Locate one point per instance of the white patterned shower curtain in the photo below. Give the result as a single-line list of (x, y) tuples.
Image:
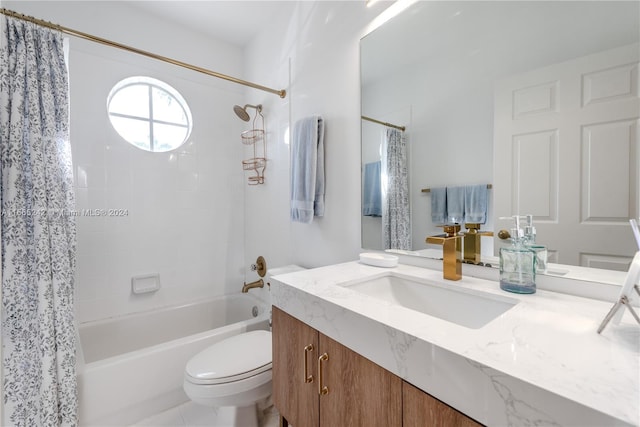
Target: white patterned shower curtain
[(396, 216), (38, 230)]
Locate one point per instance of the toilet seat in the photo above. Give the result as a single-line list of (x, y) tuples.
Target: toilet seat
[(220, 364), (228, 379)]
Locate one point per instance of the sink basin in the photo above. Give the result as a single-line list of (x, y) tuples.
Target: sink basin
[(463, 307)]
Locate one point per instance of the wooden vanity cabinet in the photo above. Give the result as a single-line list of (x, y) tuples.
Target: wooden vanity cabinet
[(419, 409), (296, 399), (359, 392)]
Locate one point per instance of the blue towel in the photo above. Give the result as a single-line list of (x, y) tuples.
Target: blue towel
[(307, 169), (439, 205), (475, 203), (455, 205), (372, 192)]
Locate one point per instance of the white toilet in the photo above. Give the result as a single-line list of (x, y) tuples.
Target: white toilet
[(232, 375), (235, 373)]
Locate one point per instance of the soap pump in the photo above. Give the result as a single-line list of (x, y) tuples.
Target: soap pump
[(530, 242), (518, 263), (529, 231)]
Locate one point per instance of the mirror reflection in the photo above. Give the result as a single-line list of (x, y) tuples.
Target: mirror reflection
[(538, 100)]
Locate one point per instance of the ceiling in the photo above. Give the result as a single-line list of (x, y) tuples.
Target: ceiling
[(514, 33), (235, 22)]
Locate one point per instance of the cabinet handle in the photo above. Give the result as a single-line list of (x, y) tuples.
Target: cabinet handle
[(322, 390), (307, 378)]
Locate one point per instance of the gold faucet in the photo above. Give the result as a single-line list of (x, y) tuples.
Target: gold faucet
[(257, 284), (451, 260), (471, 253), (261, 267)]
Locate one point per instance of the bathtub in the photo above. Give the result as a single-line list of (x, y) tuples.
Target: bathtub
[(134, 364)]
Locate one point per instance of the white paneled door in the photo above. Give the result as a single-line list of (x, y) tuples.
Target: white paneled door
[(566, 150)]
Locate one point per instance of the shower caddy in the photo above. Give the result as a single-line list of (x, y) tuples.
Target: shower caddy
[(256, 138)]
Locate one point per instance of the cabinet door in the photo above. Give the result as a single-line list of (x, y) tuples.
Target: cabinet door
[(420, 409), (360, 393), (295, 399)]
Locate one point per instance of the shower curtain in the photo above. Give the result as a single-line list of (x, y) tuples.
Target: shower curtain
[(396, 217), (37, 229)]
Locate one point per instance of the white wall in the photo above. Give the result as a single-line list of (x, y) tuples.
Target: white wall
[(185, 207), (320, 40)]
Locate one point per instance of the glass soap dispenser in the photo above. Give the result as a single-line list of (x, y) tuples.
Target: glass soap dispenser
[(530, 242), (518, 263)]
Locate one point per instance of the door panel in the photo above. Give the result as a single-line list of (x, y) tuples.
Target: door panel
[(535, 185), (608, 172)]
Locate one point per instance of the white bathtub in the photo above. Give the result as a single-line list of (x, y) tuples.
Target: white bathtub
[(134, 364)]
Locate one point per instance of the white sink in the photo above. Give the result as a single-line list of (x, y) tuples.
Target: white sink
[(464, 307)]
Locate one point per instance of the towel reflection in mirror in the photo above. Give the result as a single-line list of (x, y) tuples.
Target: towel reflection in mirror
[(459, 204)]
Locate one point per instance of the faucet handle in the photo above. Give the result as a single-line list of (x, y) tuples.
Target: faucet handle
[(504, 234), (451, 229), (474, 228), (260, 266)]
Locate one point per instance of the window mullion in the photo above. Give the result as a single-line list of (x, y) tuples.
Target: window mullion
[(151, 118), (146, 119)]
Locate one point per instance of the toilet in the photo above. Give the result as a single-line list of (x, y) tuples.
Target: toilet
[(232, 375)]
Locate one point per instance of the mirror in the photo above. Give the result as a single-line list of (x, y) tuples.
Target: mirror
[(436, 69)]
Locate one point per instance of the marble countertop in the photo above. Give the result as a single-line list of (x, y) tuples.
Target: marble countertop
[(539, 363)]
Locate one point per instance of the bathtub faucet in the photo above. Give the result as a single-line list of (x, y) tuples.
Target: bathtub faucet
[(257, 284), (261, 267)]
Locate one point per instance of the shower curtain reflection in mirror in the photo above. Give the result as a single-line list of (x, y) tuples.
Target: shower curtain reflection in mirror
[(396, 216), (38, 229)]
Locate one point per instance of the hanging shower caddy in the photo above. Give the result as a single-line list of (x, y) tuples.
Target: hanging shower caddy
[(256, 139)]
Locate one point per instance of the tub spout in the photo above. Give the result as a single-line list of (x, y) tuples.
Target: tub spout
[(257, 284)]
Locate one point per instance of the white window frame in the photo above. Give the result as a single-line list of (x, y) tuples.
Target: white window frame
[(151, 83)]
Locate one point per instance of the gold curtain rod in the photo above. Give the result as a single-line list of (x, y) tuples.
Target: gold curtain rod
[(281, 93), (428, 190), (391, 125)]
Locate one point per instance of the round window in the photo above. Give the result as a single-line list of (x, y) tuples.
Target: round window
[(149, 114)]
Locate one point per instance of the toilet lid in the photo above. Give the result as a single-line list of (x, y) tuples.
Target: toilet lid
[(234, 358)]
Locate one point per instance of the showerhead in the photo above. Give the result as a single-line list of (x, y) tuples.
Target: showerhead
[(241, 112)]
